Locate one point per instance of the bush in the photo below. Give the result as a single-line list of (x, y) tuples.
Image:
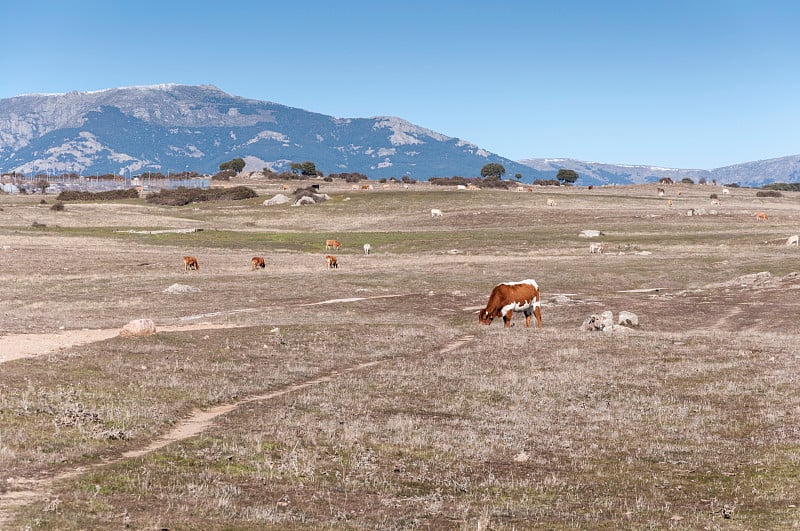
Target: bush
[(488, 182), (184, 196), (224, 175), (786, 187), (58, 206), (109, 195), (768, 193)]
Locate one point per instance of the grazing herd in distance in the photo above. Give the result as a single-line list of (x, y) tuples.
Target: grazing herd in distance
[(258, 262), (504, 299)]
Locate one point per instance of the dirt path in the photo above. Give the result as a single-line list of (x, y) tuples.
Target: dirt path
[(16, 346), (26, 491), (31, 490)]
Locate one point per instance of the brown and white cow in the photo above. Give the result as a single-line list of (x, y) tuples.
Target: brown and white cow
[(332, 244), (331, 261), (190, 262), (509, 297), (258, 261)]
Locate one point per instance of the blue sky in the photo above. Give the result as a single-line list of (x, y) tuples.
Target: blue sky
[(684, 84)]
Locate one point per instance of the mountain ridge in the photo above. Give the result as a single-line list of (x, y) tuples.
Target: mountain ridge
[(171, 127), (175, 127)]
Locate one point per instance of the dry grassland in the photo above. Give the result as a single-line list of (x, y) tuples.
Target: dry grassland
[(368, 397)]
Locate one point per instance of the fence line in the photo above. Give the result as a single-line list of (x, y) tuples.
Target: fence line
[(59, 183)]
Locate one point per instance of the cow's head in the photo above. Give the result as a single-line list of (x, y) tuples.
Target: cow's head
[(484, 317)]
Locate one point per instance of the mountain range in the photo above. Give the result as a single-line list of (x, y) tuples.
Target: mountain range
[(174, 128)]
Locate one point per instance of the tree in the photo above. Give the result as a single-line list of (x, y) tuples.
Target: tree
[(567, 176), (518, 176), (493, 169), (236, 165), (303, 168)]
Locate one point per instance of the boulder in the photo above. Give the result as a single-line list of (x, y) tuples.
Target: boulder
[(278, 199), (305, 200), (588, 233), (181, 288), (598, 322), (138, 327), (629, 319)]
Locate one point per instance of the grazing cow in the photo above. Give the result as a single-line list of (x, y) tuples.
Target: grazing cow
[(669, 203), (436, 213), (509, 297), (190, 262), (551, 202), (715, 202), (332, 244), (472, 187), (366, 187), (761, 216), (331, 261), (794, 240), (520, 188), (597, 248), (258, 261), (725, 191), (660, 192), (367, 248)]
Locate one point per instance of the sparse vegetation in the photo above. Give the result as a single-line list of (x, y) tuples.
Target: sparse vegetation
[(785, 187), (368, 397), (184, 196), (108, 195), (768, 193)]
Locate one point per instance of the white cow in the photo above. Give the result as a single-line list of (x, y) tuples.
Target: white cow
[(794, 239), (367, 248), (436, 213), (551, 202)]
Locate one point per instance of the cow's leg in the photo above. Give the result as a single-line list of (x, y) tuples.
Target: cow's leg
[(507, 319), (528, 315), (538, 313)]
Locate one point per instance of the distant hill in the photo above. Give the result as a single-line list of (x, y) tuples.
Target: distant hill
[(173, 128), (752, 174)]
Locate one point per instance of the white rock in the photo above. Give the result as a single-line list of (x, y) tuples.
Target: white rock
[(138, 327)]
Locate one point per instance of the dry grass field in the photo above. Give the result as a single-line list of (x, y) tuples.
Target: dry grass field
[(368, 397)]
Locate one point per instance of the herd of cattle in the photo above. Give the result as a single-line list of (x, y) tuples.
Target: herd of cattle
[(504, 300)]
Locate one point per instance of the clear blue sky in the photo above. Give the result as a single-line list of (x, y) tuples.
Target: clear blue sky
[(682, 83)]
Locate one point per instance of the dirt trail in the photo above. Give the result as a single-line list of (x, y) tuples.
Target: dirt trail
[(27, 491), (16, 346)]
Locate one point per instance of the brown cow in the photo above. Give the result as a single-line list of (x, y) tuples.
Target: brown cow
[(190, 262), (761, 216), (258, 261), (513, 296), (332, 244), (331, 261)]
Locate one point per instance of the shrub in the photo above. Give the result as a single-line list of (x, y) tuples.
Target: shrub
[(109, 195), (184, 196), (224, 175), (786, 187), (58, 206), (768, 193)]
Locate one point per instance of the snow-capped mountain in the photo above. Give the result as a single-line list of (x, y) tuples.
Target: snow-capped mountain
[(172, 128)]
